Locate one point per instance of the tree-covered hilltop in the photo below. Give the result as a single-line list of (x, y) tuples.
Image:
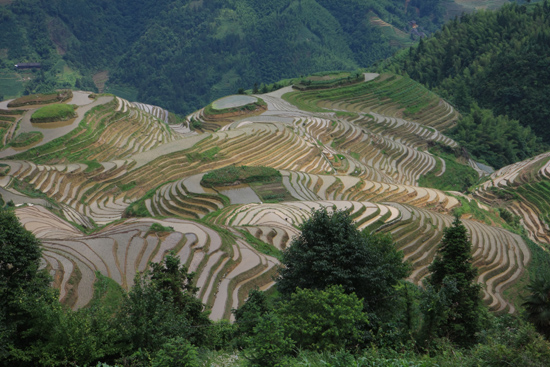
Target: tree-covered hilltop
[(497, 59), (182, 54)]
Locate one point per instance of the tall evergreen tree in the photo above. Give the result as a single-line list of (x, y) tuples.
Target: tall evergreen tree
[(455, 310), (537, 304)]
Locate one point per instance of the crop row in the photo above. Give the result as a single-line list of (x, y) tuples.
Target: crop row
[(305, 186), (224, 267), (386, 95)]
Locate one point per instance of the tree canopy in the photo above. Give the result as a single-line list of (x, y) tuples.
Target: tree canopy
[(453, 296), (498, 60), (332, 251), (537, 304)]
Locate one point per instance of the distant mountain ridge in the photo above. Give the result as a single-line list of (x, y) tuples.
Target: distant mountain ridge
[(182, 54)]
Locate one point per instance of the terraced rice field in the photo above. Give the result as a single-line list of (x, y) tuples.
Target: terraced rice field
[(500, 256), (360, 148), (524, 189)]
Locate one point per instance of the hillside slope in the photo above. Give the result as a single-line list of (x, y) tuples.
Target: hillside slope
[(496, 59), (182, 54), (100, 187)]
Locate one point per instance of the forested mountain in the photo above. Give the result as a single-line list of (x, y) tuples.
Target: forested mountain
[(182, 54), (499, 60)]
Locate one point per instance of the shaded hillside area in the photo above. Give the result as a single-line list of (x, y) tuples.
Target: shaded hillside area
[(182, 54), (498, 60)]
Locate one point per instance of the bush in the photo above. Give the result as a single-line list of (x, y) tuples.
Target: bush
[(323, 320), (177, 352), (269, 345)]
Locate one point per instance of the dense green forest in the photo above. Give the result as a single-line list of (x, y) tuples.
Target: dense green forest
[(182, 54), (494, 60)]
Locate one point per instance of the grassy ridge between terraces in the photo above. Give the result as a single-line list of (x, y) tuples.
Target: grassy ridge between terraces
[(409, 95), (26, 139), (231, 175), (54, 112)]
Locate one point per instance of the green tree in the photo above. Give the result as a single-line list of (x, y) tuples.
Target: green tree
[(537, 304), (162, 305), (246, 317), (323, 320), (453, 295), (177, 352), (23, 288), (332, 251), (268, 345)]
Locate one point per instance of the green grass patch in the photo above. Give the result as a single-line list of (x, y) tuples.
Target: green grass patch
[(7, 118), (4, 169), (206, 156), (11, 112), (473, 209), (346, 114), (107, 293), (128, 186), (295, 99), (26, 139), (54, 112), (71, 145), (264, 248), (457, 176), (231, 175), (138, 208), (404, 92), (92, 165)]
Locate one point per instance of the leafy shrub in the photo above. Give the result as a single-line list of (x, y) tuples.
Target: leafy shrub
[(269, 345), (177, 352), (326, 320)]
